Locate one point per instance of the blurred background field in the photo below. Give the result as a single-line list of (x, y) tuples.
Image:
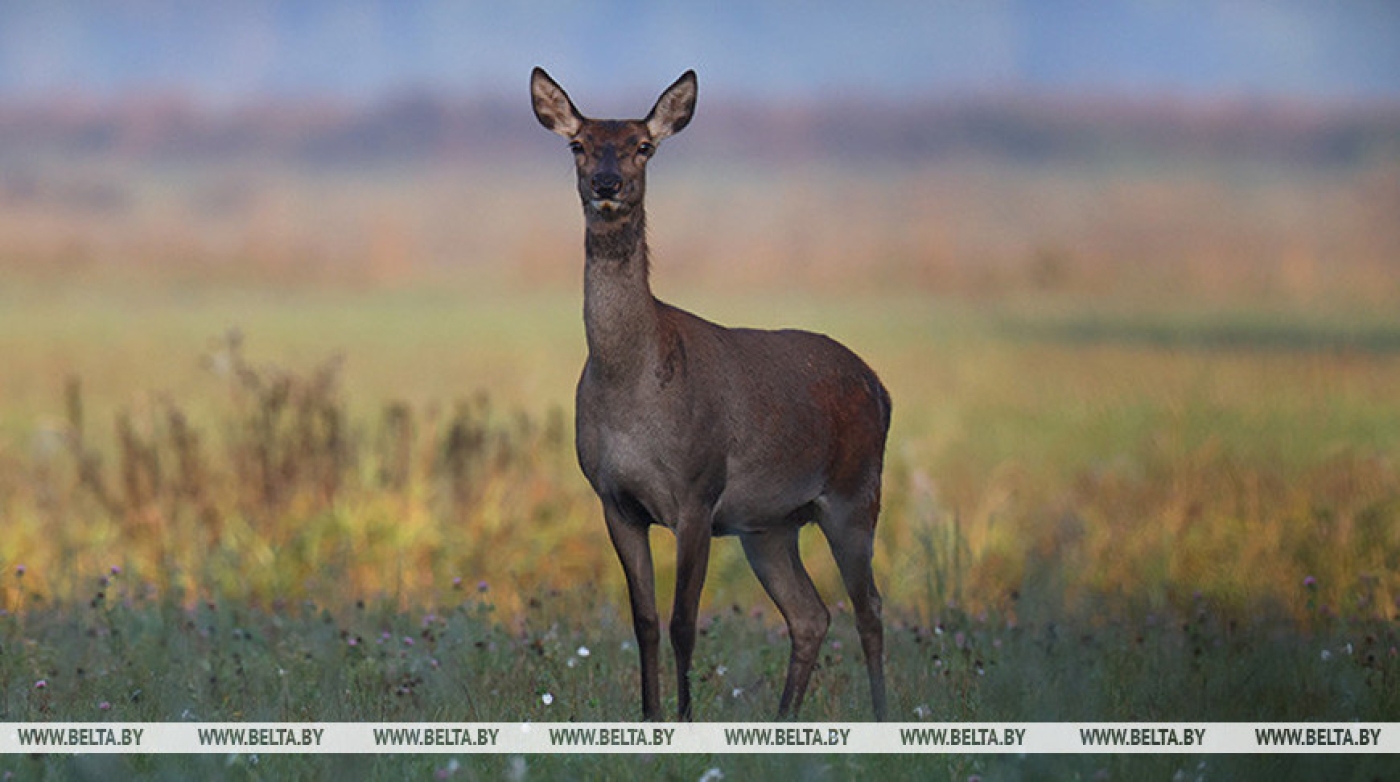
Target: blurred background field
[(1173, 365), (317, 341)]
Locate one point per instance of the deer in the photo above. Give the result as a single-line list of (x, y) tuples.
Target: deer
[(712, 431)]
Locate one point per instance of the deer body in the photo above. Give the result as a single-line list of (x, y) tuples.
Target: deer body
[(710, 430)]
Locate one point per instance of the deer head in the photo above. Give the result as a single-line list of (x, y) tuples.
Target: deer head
[(611, 155)]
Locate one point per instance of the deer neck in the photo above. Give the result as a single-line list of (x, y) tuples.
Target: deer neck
[(619, 312)]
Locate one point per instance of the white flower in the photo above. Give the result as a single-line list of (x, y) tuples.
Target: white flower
[(711, 775), (547, 698), (1326, 655), (583, 651)]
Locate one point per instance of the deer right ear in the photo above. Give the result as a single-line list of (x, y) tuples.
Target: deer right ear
[(674, 108), (553, 108)]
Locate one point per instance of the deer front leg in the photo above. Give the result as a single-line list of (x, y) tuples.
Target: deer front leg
[(692, 560), (634, 551)]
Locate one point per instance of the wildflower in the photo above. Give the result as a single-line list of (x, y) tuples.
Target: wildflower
[(1326, 655), (116, 570), (721, 670), (736, 692), (41, 684), (408, 640), (1310, 582), (482, 587), (105, 706), (922, 710), (353, 640), (20, 570), (583, 651), (547, 698), (711, 775), (457, 582)]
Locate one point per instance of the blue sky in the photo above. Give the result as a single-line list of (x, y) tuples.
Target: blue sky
[(242, 49)]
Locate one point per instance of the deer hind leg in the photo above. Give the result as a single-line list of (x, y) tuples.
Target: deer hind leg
[(850, 530), (634, 551), (774, 557)]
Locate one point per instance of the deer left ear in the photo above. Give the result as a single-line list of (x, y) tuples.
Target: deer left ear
[(674, 108), (552, 106)]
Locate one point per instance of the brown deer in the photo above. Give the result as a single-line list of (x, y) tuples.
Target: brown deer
[(710, 430)]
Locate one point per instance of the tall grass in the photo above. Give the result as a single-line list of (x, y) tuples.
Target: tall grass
[(1133, 470), (282, 495)]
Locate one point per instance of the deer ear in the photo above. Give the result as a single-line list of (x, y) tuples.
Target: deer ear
[(674, 108), (552, 106)]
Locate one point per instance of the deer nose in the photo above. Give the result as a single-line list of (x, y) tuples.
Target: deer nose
[(606, 184)]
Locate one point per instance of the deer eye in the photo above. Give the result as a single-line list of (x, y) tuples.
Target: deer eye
[(576, 147), (646, 149)]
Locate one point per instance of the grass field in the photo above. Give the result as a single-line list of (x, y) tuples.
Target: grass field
[(1124, 482)]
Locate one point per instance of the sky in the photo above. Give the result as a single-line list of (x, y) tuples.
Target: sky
[(240, 50)]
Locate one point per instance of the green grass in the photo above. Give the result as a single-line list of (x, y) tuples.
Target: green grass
[(128, 655)]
